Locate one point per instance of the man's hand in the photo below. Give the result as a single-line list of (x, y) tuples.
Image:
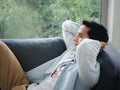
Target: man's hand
[(103, 44)]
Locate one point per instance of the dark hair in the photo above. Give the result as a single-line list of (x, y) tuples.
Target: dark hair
[(97, 31)]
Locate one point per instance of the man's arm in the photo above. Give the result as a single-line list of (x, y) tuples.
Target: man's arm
[(88, 67), (69, 30)]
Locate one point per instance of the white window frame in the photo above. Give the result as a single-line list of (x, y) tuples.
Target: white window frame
[(104, 12)]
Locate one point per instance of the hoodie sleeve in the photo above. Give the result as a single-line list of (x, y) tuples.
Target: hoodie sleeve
[(88, 68)]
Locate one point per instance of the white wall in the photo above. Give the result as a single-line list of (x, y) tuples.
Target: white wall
[(113, 23)]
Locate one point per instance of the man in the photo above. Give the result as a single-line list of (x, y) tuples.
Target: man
[(83, 45)]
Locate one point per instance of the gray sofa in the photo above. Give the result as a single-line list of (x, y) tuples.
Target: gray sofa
[(34, 52)]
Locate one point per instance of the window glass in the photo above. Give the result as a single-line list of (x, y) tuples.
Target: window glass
[(43, 18)]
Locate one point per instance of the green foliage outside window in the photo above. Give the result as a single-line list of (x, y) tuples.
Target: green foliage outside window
[(43, 18)]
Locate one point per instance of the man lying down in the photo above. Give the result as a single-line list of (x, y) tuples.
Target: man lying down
[(83, 42)]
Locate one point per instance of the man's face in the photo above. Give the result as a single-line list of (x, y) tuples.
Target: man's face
[(82, 34)]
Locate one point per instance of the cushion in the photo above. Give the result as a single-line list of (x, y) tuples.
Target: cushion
[(108, 72), (34, 52)]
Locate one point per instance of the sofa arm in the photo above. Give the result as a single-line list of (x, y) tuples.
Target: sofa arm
[(34, 52)]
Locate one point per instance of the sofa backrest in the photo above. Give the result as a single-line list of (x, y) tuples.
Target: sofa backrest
[(115, 59), (108, 73), (34, 52)]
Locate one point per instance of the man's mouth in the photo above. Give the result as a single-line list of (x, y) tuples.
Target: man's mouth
[(75, 44)]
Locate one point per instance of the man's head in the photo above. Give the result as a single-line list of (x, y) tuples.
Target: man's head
[(92, 30)]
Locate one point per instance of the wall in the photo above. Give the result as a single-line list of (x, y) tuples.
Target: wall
[(113, 23)]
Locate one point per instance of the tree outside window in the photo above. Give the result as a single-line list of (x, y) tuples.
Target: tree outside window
[(43, 18)]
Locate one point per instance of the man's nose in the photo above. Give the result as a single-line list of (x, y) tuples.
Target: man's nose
[(75, 39)]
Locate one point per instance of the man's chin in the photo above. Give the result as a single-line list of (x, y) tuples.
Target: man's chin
[(74, 48)]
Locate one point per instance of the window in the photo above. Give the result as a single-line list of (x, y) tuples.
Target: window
[(43, 18)]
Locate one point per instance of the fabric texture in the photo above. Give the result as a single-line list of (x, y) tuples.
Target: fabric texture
[(67, 75), (11, 72)]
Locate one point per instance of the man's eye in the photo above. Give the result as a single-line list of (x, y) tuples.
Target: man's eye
[(81, 36)]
